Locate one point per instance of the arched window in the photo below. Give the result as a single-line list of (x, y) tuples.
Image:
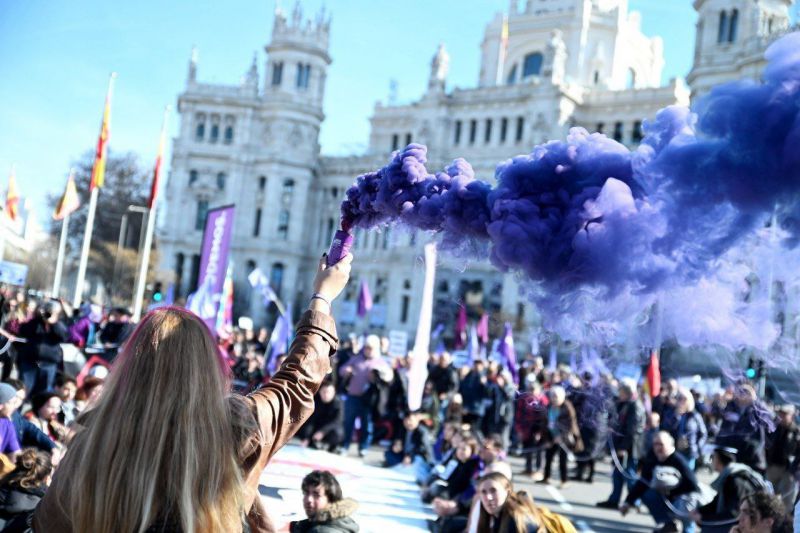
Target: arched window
[(630, 80), (192, 177), (228, 134), (257, 223), (532, 65), (276, 277), (288, 186), (512, 76), (200, 129), (251, 265), (221, 178), (262, 183), (734, 26), (722, 33), (283, 225)]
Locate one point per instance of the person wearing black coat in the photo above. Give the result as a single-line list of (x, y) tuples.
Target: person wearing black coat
[(325, 428), (745, 429), (627, 430), (444, 376), (499, 413), (782, 445), (40, 356), (665, 477), (474, 391), (734, 483), (22, 489)]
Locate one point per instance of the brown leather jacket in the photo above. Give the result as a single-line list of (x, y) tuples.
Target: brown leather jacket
[(278, 410)]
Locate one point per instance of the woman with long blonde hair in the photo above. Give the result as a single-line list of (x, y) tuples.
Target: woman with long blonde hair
[(497, 508), (167, 448)]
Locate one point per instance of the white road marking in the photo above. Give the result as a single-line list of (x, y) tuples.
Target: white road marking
[(581, 525), (557, 496)]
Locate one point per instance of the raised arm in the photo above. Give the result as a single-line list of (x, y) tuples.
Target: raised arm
[(287, 401)]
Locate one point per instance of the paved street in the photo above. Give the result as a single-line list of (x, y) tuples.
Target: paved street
[(577, 500)]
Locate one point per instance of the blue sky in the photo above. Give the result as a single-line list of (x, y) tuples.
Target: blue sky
[(55, 58)]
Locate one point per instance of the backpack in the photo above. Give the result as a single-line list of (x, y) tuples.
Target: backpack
[(554, 522)]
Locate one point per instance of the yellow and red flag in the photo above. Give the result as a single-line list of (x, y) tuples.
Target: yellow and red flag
[(159, 160), (69, 201), (12, 197), (99, 168)]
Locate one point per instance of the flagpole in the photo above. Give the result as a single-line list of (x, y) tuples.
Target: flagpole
[(87, 241), (95, 190), (5, 226), (151, 224), (62, 247)]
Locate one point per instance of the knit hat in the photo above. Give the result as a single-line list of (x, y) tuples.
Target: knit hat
[(7, 392)]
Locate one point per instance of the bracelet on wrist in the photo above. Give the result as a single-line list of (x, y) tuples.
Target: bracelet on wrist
[(318, 296)]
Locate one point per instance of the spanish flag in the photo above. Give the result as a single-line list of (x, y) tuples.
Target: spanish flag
[(12, 197), (69, 201), (99, 168)]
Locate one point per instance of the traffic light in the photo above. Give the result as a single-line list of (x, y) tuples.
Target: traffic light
[(751, 372), (157, 294)]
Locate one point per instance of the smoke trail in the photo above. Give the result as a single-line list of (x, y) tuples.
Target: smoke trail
[(603, 231)]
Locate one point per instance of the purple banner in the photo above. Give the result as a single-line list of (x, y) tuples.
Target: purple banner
[(214, 261)]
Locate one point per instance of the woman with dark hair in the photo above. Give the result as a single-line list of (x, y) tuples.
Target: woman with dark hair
[(167, 447), (22, 489), (327, 511), (45, 409)]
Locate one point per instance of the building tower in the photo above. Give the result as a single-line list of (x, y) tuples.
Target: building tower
[(731, 37)]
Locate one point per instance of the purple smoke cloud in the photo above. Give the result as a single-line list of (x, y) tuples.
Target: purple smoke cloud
[(602, 229)]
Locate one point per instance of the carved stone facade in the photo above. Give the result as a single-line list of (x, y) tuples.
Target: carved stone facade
[(545, 68)]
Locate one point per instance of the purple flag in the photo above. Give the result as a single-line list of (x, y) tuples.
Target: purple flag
[(213, 263), (483, 328), (507, 353), (364, 299), (280, 339), (461, 326)]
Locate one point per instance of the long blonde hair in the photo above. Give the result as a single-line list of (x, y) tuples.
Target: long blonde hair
[(518, 507), (158, 446)]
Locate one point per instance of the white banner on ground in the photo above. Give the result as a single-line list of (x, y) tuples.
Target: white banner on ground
[(418, 372)]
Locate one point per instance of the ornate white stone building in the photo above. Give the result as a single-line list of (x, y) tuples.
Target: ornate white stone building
[(545, 67)]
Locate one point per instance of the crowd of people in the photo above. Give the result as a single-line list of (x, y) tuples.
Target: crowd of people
[(472, 420)]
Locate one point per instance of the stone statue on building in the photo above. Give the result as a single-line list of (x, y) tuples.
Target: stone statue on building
[(440, 64), (555, 59)]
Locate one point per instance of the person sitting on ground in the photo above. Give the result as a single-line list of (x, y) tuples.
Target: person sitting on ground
[(67, 388), (324, 429), (326, 510), (453, 514), (457, 478), (9, 443), (499, 509), (736, 481), (414, 448), (166, 447), (762, 512), (665, 478), (22, 489), (28, 434), (448, 462), (44, 412)]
